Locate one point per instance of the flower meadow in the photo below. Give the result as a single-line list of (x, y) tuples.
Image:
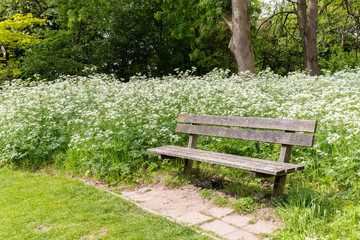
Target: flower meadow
[(98, 126)]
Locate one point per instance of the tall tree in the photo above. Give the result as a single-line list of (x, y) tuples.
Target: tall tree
[(239, 22), (198, 18), (307, 21)]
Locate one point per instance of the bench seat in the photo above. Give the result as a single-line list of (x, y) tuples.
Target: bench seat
[(253, 164)]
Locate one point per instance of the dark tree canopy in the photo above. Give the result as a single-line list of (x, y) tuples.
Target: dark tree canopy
[(154, 37)]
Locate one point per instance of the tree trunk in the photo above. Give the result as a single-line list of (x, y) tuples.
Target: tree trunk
[(307, 21), (343, 41), (240, 43)]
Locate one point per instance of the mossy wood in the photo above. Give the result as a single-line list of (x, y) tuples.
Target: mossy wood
[(252, 135), (251, 122), (258, 167), (253, 164)]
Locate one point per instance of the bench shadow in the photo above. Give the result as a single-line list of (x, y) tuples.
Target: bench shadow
[(242, 185)]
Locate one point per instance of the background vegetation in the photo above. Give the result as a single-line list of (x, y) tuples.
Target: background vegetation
[(155, 37)]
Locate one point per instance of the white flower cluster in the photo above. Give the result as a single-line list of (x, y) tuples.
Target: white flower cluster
[(98, 114)]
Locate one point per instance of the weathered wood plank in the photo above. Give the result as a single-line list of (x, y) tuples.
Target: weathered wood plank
[(285, 153), (279, 184), (251, 122), (192, 144), (236, 161), (252, 164), (192, 141), (245, 134), (229, 157), (180, 151)]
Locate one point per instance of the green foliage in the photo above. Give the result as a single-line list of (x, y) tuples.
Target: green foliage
[(12, 31), (10, 69), (311, 213), (206, 193), (175, 181), (15, 36), (139, 43), (338, 48), (221, 201), (199, 23), (39, 8), (71, 40), (155, 37), (244, 205), (340, 59), (278, 44), (121, 38), (54, 57)]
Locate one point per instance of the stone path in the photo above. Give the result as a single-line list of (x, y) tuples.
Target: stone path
[(188, 207)]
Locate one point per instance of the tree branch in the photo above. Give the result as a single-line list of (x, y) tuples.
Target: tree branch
[(228, 20), (323, 8), (351, 13), (268, 19), (293, 3)]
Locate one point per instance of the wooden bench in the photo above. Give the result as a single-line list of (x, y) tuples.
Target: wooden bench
[(291, 135)]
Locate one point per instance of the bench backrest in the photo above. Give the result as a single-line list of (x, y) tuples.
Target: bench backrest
[(289, 137)]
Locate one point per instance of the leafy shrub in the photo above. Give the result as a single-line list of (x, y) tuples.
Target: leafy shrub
[(221, 201), (206, 193), (244, 205)]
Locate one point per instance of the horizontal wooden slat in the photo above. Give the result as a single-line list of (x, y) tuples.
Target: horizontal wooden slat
[(251, 122), (252, 164), (253, 135)]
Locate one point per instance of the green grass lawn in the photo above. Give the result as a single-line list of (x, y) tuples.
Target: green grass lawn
[(38, 206)]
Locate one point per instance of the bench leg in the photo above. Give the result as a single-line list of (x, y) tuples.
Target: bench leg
[(188, 165), (279, 184)]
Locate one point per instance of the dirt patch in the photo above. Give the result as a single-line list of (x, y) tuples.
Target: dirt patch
[(42, 228), (93, 236), (169, 201), (268, 214), (95, 183)]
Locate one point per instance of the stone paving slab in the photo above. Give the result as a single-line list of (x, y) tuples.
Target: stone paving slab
[(219, 212), (261, 227), (219, 227), (238, 220), (241, 234), (193, 218)]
